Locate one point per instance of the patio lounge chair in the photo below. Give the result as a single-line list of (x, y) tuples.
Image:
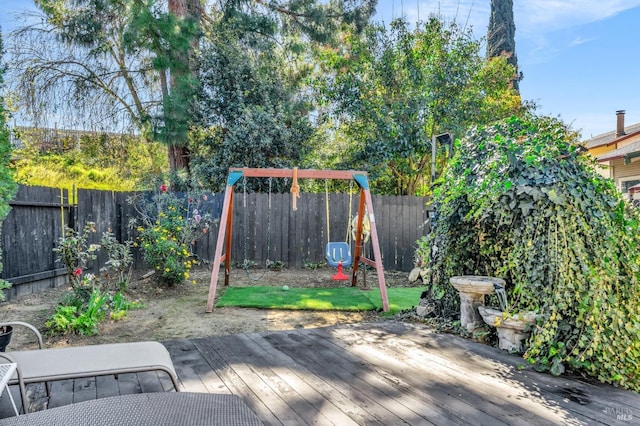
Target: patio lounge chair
[(146, 409), (47, 365)]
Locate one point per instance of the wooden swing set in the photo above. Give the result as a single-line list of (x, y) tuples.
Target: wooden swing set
[(334, 251)]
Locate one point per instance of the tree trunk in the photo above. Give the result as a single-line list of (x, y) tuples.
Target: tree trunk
[(179, 158), (178, 151)]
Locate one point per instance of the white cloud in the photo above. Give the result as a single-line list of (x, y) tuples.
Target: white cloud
[(531, 16), (537, 21), (580, 40), (536, 16)]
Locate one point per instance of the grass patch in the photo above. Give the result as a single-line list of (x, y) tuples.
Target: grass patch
[(400, 299), (322, 299)]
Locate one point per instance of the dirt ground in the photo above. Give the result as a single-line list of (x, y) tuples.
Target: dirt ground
[(179, 311)]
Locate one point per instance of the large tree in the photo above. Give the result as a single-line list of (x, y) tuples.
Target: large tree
[(251, 110), (255, 60), (172, 39), (113, 61), (501, 36), (393, 90), (140, 56), (74, 63)]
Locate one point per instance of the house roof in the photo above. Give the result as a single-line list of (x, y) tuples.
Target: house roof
[(610, 137), (627, 152)]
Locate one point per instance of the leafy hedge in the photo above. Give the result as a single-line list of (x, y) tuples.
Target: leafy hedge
[(520, 201), (8, 187)]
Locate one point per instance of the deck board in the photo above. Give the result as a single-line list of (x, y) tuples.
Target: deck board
[(285, 388), (424, 381), (473, 395), (372, 373), (285, 368), (236, 380), (366, 379)]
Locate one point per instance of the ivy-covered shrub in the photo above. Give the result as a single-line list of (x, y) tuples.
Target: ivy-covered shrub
[(522, 202)]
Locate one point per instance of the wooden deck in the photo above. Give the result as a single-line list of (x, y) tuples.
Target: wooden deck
[(386, 373)]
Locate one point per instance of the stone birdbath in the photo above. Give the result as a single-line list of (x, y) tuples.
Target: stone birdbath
[(512, 330), (472, 289)]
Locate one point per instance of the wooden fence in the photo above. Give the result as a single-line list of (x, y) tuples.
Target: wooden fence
[(264, 227), (29, 234)]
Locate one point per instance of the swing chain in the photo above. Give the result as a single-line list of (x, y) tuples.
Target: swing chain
[(326, 196), (245, 224), (349, 221), (268, 262)]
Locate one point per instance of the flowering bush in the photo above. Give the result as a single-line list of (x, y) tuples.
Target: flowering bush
[(170, 226), (75, 252), (82, 309)]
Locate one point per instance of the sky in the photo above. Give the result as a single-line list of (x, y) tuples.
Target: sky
[(580, 58)]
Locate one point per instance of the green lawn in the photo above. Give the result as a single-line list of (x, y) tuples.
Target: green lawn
[(324, 299)]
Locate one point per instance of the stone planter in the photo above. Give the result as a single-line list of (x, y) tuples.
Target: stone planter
[(512, 331), (472, 289)]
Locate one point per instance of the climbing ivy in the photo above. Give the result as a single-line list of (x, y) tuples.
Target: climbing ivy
[(521, 201)]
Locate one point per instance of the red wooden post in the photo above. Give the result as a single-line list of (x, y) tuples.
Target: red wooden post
[(356, 258), (228, 196), (227, 257), (376, 252)]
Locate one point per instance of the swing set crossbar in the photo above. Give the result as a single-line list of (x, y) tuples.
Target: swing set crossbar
[(226, 222), (302, 173)]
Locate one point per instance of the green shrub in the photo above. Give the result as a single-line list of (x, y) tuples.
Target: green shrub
[(96, 175), (118, 267), (82, 320), (75, 252), (77, 171), (81, 309), (170, 226), (119, 306), (520, 201), (105, 162), (8, 187)]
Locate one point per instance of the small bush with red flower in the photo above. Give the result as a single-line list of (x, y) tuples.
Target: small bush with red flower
[(91, 297), (75, 252), (168, 227)]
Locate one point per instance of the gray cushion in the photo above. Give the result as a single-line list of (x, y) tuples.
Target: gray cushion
[(146, 409)]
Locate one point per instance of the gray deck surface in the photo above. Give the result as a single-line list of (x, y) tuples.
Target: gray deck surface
[(387, 373)]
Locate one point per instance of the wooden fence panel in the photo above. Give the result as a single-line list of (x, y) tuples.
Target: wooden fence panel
[(104, 208), (29, 234), (317, 229), (280, 220), (35, 224), (296, 252), (210, 204)]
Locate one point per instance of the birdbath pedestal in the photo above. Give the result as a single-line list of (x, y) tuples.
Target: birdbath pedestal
[(472, 289), (512, 330)]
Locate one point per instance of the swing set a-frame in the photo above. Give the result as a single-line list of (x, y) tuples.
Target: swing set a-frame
[(223, 245)]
